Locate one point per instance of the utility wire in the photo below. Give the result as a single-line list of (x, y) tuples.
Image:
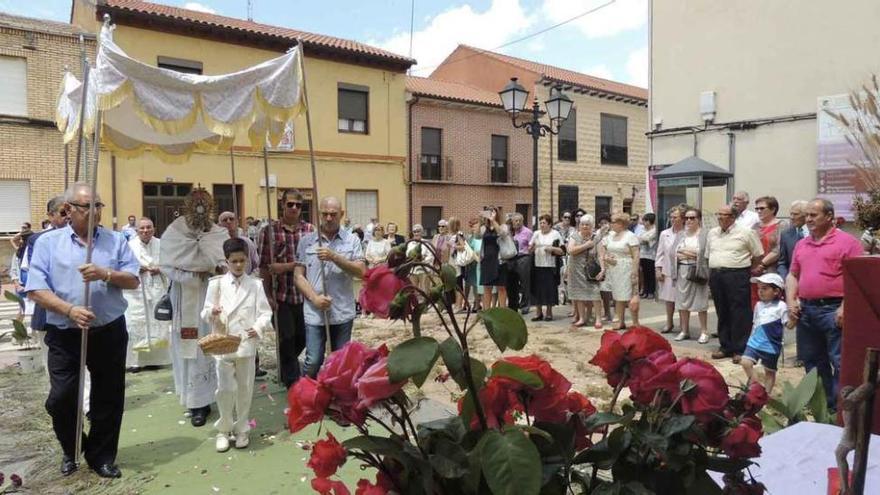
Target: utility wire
[(519, 40)]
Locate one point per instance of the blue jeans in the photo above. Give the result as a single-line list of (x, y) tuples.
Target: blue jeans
[(819, 339), (316, 343)]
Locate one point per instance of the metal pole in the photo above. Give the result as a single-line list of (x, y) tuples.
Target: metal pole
[(113, 190), (552, 203), (535, 135), (66, 166), (270, 238), (314, 179), (234, 194), (80, 151)]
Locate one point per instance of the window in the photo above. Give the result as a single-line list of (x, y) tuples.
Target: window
[(16, 209), (523, 209), (163, 202), (353, 108), (13, 87), (223, 198), (614, 150), (603, 206), (567, 142), (568, 199), (628, 206), (430, 216), (361, 206), (430, 159), (498, 163), (179, 65)]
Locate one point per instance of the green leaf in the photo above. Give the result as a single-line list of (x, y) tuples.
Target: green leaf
[(11, 296), (511, 463), (451, 428), (802, 394), (532, 431), (517, 374), (676, 424), (19, 332), (605, 453), (448, 459), (704, 485), (769, 422), (726, 464), (601, 419), (819, 405), (561, 442), (506, 327), (384, 447), (413, 359), (779, 406), (448, 276), (452, 356)]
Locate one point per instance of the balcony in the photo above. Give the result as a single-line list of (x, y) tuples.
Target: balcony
[(434, 168), (502, 172)]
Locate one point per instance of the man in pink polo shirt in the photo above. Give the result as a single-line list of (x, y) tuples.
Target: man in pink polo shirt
[(815, 293)]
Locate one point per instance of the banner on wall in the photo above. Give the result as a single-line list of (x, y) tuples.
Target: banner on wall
[(837, 178)]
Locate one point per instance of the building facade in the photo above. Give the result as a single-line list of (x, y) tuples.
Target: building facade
[(464, 154), (742, 87), (33, 57), (358, 114), (598, 162)]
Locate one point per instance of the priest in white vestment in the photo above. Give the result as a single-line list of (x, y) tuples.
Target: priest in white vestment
[(148, 339), (191, 251)]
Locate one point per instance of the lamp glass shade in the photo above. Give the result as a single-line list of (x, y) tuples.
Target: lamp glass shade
[(513, 97), (558, 106)]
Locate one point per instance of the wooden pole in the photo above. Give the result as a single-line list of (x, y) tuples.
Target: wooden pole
[(270, 238), (317, 197), (234, 193), (80, 151), (864, 421)]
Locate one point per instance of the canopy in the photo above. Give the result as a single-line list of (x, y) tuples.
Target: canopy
[(173, 114), (694, 167)]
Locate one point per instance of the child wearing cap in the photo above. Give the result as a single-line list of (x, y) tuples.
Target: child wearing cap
[(765, 343)]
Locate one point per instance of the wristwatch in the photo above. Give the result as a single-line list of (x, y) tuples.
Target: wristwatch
[(109, 274)]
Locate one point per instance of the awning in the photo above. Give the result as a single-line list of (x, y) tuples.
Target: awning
[(692, 171)]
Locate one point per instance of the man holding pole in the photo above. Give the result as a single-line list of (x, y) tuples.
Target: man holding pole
[(57, 274), (277, 244), (325, 268)]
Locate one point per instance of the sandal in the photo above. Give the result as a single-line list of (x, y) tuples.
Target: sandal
[(598, 325), (538, 318), (704, 338)]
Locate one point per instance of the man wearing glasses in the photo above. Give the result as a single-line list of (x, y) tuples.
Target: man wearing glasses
[(58, 271), (57, 220), (277, 262), (746, 218), (733, 251)]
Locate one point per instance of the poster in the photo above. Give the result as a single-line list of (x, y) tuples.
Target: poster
[(838, 180)]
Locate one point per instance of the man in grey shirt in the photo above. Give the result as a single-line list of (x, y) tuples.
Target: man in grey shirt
[(342, 257)]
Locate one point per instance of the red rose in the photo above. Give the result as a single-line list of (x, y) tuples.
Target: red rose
[(709, 394), (498, 402), (374, 385), (342, 369), (641, 342), (380, 287), (308, 400), (610, 356), (328, 487), (653, 373), (327, 456), (742, 440), (545, 403), (580, 408), (755, 398), (617, 350), (382, 487)]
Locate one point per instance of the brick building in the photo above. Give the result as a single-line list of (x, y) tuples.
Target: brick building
[(33, 57), (464, 154), (600, 157)]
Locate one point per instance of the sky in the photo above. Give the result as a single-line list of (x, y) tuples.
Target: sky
[(609, 42)]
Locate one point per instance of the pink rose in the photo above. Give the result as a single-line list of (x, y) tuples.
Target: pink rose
[(380, 287), (375, 385), (342, 369), (308, 400)]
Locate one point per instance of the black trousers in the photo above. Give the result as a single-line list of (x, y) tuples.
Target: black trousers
[(106, 364), (291, 340), (649, 272), (732, 294), (519, 278)]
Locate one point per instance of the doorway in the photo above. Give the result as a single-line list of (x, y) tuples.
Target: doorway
[(163, 203)]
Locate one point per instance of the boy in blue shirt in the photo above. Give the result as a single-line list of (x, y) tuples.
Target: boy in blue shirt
[(770, 318)]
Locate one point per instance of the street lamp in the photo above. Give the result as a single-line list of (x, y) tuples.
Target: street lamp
[(513, 99)]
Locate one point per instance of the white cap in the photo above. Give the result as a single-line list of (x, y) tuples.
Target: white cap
[(770, 279)]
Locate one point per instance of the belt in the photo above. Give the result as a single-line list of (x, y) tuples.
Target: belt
[(825, 301), (722, 269)]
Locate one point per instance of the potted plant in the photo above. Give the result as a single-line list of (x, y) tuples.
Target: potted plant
[(520, 427), (30, 358)]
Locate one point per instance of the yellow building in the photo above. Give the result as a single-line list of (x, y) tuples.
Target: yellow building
[(358, 117)]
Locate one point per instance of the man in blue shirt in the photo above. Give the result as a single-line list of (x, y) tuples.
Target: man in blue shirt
[(342, 257), (58, 272)]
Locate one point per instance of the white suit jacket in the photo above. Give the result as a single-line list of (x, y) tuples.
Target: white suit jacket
[(244, 307)]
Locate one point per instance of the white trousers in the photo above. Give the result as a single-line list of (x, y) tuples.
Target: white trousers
[(235, 389)]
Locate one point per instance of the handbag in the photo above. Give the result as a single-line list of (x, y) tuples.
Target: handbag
[(593, 269), (164, 310), (697, 274), (506, 247)]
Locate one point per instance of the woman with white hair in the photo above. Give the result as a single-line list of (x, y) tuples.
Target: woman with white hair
[(583, 277), (420, 276)]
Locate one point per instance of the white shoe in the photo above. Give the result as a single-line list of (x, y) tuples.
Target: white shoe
[(703, 338), (241, 440), (222, 443), (681, 336)]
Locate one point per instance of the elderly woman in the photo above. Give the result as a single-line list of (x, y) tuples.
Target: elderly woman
[(420, 276), (546, 245), (395, 238), (769, 230), (582, 289), (472, 272), (620, 255), (665, 261), (378, 248), (692, 294)]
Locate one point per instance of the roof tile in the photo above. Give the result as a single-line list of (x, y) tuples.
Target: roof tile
[(446, 90)]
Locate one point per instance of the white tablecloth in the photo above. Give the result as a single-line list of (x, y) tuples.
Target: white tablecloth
[(795, 460)]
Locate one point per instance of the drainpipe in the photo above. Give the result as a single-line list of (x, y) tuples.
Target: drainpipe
[(695, 141), (409, 159), (731, 163), (113, 189)]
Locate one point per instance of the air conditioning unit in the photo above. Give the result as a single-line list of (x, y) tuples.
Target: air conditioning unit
[(707, 106)]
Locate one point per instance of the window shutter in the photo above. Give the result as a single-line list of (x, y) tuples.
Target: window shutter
[(13, 86), (499, 148), (352, 104), (16, 208), (430, 141)]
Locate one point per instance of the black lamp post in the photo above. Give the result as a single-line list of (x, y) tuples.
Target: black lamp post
[(513, 98)]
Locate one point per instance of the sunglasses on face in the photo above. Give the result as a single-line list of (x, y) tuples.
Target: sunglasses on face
[(98, 205), (293, 204), (690, 218)]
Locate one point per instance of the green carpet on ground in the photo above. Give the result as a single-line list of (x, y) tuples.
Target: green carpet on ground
[(166, 454)]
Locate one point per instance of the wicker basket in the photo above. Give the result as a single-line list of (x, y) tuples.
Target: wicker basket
[(219, 344)]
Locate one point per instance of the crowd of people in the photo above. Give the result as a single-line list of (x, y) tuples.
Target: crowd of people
[(752, 265)]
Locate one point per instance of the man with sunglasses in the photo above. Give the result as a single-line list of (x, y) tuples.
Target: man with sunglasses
[(277, 263), (57, 219), (58, 271)]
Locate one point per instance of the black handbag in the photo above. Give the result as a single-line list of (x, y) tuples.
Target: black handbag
[(696, 276), (163, 310), (593, 269)]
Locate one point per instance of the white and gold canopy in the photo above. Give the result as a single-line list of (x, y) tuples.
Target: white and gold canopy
[(173, 114)]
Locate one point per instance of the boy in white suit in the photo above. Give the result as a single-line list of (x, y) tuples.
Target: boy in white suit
[(237, 301)]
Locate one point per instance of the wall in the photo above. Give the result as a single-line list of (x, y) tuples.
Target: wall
[(763, 59), (466, 138)]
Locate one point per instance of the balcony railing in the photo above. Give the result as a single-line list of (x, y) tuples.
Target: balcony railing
[(502, 172), (435, 168)]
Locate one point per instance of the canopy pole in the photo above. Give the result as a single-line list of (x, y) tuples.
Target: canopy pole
[(315, 194), (66, 165), (234, 187), (86, 70), (271, 240)]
